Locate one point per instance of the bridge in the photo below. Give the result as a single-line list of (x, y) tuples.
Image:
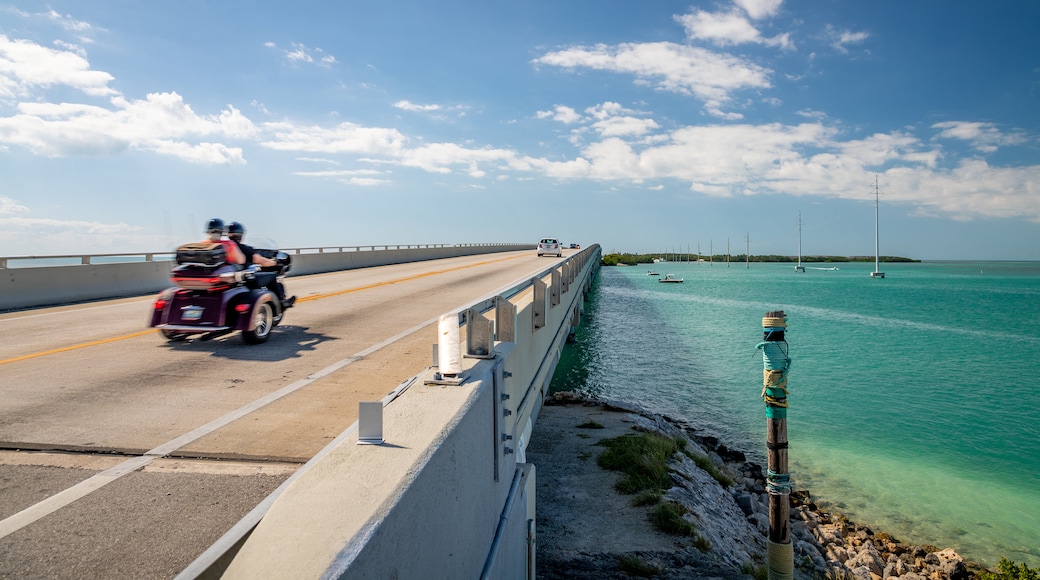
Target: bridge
[(337, 449)]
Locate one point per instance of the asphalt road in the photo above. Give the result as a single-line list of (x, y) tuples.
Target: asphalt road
[(124, 455)]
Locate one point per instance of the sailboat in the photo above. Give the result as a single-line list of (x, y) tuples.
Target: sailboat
[(877, 273), (799, 267)]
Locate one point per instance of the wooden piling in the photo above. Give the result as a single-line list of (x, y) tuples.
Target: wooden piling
[(776, 362)]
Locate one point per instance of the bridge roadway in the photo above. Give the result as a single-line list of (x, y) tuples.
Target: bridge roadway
[(123, 455)]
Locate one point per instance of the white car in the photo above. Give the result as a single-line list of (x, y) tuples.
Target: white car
[(550, 247)]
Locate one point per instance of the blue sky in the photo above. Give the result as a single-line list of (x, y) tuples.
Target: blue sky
[(642, 126)]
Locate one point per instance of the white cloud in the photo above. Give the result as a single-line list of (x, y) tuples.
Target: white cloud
[(840, 39), (340, 173), (25, 65), (299, 53), (48, 236), (727, 29), (343, 138), (162, 123), (758, 9), (410, 106), (561, 113), (613, 120), (985, 137), (687, 70), (10, 207), (364, 181), (68, 22), (442, 157)]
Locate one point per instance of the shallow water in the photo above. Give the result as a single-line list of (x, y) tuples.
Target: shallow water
[(915, 406)]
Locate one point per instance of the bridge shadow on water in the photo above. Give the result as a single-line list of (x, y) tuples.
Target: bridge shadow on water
[(286, 342)]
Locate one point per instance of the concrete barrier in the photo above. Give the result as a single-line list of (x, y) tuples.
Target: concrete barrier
[(32, 287), (449, 493)]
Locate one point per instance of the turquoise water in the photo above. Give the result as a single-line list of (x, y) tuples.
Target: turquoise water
[(915, 400)]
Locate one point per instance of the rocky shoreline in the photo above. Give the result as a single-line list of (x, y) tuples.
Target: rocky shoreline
[(731, 521)]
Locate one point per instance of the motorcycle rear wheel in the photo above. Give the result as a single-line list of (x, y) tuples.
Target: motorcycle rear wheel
[(263, 322)]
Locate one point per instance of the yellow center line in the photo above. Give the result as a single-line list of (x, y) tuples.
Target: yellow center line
[(77, 346), (303, 299)]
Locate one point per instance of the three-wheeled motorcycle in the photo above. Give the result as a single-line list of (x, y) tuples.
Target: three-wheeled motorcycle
[(212, 298)]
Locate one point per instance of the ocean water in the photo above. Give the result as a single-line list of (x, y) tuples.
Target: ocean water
[(914, 400)]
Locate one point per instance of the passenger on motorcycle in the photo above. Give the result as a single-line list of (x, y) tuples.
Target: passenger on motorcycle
[(215, 232), (235, 232)]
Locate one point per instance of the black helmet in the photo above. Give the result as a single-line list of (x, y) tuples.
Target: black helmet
[(236, 230), (215, 226)]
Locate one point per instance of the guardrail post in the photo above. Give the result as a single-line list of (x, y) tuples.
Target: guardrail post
[(478, 335), (505, 320), (538, 309), (370, 423), (556, 280)]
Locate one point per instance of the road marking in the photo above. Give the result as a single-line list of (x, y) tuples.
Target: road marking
[(302, 299), (77, 346), (406, 279), (63, 498)]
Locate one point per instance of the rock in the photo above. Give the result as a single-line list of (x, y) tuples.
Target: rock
[(869, 558), (744, 502), (957, 571)]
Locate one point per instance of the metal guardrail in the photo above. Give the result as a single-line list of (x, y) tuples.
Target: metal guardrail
[(91, 259)]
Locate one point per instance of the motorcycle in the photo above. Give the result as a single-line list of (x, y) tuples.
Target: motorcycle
[(212, 298)]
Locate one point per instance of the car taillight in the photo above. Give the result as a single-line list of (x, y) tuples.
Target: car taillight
[(160, 304)]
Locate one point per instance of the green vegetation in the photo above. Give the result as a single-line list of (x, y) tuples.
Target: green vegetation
[(633, 566), (647, 497), (590, 424), (756, 572), (668, 517), (615, 259), (642, 458), (706, 464), (1008, 570)]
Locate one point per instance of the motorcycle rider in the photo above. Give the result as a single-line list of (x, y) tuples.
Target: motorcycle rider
[(235, 233), (215, 232)]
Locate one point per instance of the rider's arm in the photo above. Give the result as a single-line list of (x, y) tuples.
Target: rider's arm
[(262, 261), (234, 254)]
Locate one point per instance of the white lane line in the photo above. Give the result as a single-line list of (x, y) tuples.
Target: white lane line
[(52, 504)]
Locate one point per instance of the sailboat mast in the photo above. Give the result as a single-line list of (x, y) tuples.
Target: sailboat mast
[(877, 250), (799, 267), (877, 273)]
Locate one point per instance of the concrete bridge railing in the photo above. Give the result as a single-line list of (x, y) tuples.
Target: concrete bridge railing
[(446, 491), (34, 281)]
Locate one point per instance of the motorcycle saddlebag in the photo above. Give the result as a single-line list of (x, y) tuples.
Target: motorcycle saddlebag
[(202, 254)]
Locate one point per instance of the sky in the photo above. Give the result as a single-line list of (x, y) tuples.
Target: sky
[(643, 126)]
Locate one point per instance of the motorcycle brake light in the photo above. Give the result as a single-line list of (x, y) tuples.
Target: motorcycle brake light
[(241, 308)]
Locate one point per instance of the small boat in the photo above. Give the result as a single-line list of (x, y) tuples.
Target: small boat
[(670, 278), (652, 273), (831, 269)]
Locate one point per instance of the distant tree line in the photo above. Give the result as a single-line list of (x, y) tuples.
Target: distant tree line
[(631, 259)]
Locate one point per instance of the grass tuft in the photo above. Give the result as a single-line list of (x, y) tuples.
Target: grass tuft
[(668, 517), (647, 497), (706, 464), (642, 458), (590, 424), (634, 566)]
